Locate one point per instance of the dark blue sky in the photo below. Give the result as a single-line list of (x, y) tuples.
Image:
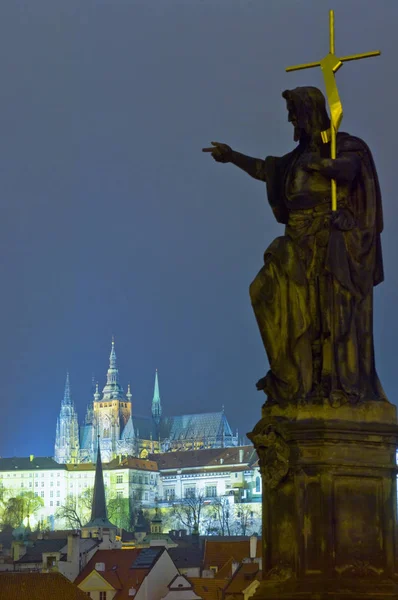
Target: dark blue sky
[(114, 222)]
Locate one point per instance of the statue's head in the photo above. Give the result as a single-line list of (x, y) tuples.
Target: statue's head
[(307, 111)]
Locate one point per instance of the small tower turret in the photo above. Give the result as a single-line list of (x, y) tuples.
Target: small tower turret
[(156, 404), (67, 434)]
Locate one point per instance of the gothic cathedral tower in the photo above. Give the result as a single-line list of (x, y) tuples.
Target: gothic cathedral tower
[(111, 411), (67, 435)]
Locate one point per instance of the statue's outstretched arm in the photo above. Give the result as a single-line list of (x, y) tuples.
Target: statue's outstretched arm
[(255, 167)]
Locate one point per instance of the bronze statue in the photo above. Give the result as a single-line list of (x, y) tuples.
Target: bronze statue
[(313, 298)]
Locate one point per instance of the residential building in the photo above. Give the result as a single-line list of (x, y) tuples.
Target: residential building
[(121, 574)]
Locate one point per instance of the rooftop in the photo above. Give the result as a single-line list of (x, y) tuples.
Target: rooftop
[(207, 457), (38, 586)]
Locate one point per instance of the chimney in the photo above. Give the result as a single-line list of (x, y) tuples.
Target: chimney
[(235, 567), (253, 546), (73, 548), (241, 455), (31, 457)]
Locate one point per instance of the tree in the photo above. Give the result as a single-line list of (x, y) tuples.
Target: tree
[(17, 508), (76, 510), (247, 519), (221, 517), (119, 512), (190, 511)]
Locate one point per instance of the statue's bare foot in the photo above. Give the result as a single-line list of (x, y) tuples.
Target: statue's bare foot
[(261, 384)]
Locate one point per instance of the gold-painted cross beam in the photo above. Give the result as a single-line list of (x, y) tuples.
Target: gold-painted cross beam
[(330, 64)]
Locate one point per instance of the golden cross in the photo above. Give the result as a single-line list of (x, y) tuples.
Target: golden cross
[(330, 64)]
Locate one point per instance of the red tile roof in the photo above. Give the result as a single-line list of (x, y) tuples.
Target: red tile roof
[(118, 572), (242, 578), (217, 553), (208, 588), (38, 586), (219, 458)]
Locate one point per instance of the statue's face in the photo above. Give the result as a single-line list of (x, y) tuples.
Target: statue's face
[(292, 118)]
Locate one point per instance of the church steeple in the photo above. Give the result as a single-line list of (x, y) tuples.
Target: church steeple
[(67, 434), (67, 401), (156, 405), (99, 515), (112, 389), (98, 509)]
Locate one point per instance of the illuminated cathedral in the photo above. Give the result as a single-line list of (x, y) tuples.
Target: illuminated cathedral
[(110, 422)]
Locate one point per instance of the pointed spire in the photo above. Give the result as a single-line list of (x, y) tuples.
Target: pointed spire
[(129, 395), (98, 510), (156, 404), (97, 395), (67, 401), (112, 389), (112, 356)]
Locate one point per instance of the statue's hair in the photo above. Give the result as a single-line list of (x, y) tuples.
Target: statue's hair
[(310, 107)]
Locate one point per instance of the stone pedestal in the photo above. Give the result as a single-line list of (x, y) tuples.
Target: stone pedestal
[(329, 501)]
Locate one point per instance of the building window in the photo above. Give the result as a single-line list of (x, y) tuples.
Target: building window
[(102, 596), (190, 492), (58, 483), (36, 483), (51, 494), (58, 494), (36, 493), (119, 494), (258, 485), (57, 502), (42, 494), (30, 484), (52, 483), (42, 484), (119, 478), (51, 503), (146, 479), (170, 494), (146, 496), (211, 491)]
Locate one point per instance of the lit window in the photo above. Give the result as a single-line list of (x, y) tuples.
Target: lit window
[(119, 478)]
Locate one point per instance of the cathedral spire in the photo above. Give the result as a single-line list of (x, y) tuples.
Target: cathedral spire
[(156, 405), (112, 389), (67, 401)]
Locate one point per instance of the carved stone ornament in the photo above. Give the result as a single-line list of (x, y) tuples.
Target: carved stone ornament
[(280, 573), (359, 568), (273, 454)]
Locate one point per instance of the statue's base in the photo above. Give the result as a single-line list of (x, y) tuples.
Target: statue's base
[(329, 501)]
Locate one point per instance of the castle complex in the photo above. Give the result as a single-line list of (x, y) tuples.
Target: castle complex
[(110, 420)]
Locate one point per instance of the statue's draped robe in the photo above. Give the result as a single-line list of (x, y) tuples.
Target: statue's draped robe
[(313, 298)]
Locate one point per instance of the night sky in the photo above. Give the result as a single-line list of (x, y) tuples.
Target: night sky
[(113, 222)]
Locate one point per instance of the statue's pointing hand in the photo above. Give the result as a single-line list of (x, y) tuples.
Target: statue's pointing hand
[(220, 152)]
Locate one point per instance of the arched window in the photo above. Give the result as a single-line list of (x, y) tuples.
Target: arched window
[(258, 489)]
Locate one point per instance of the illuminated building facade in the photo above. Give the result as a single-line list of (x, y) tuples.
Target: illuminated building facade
[(110, 420)]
